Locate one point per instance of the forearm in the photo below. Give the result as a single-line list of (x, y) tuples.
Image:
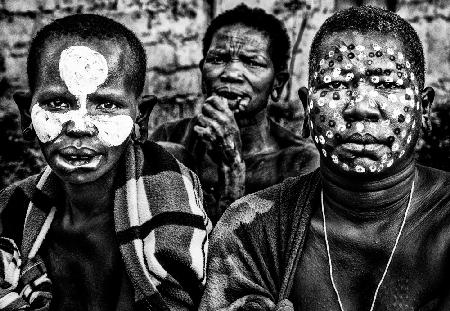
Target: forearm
[(231, 181)]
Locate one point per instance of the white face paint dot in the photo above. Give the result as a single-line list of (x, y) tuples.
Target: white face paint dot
[(360, 48), (359, 126), (82, 69), (401, 153), (341, 127), (408, 64), (399, 82), (336, 72), (331, 53), (395, 146), (335, 159), (360, 169), (408, 118), (375, 79), (372, 168), (321, 101), (329, 134), (316, 139), (321, 139), (408, 140), (349, 76), (389, 163), (324, 152), (345, 167), (376, 47), (343, 48), (348, 66), (390, 51), (322, 62), (400, 56), (327, 79)]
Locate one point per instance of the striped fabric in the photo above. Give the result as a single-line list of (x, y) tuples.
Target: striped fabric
[(160, 224)]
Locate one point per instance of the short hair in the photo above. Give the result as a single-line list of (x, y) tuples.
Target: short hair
[(89, 26), (260, 20), (367, 19)]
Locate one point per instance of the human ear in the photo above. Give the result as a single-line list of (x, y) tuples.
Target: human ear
[(303, 96), (23, 102), (281, 79), (145, 107), (427, 97)]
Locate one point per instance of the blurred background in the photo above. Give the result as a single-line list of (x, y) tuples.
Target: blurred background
[(171, 32)]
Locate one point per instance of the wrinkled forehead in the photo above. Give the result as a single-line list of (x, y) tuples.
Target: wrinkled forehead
[(240, 36), (49, 59), (370, 41)]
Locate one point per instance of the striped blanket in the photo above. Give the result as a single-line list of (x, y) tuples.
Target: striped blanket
[(160, 224)]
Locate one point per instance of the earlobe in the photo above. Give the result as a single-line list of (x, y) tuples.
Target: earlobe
[(23, 102), (427, 102), (146, 105), (281, 79), (303, 96)]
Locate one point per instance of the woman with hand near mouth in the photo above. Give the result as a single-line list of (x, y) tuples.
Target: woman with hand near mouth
[(235, 147), (113, 222)]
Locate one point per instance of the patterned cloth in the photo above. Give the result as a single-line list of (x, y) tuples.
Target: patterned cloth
[(160, 224)]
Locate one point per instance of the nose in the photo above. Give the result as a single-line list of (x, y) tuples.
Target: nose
[(80, 125), (233, 72), (362, 107)]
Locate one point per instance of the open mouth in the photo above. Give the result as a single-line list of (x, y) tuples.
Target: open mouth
[(72, 157), (235, 100)]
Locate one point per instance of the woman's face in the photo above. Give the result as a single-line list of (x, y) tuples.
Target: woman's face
[(82, 110), (238, 66), (364, 109)]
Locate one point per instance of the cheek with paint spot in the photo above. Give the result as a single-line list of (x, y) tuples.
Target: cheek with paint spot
[(111, 130), (374, 66)]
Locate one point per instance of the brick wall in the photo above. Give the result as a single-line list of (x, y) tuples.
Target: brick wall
[(171, 32)]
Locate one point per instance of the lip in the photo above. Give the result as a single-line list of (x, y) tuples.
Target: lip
[(365, 139), (72, 151), (230, 91)]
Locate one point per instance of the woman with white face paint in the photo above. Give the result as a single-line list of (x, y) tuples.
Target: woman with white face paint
[(85, 219)]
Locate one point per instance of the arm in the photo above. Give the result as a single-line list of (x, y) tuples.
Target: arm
[(217, 128), (242, 267)]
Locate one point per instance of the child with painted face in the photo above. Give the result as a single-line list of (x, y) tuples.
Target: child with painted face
[(113, 222), (369, 229)]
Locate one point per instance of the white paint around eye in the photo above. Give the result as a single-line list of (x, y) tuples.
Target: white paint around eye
[(83, 70)]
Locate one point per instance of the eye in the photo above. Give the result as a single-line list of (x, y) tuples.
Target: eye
[(337, 85), (253, 62), (386, 85), (107, 105), (57, 104), (216, 58)]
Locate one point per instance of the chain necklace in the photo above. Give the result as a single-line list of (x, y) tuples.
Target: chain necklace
[(390, 257)]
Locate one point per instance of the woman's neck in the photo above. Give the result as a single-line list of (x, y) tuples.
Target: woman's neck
[(366, 198), (255, 134), (90, 199)]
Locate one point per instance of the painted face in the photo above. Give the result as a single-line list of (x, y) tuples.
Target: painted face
[(238, 67), (83, 114), (364, 103)]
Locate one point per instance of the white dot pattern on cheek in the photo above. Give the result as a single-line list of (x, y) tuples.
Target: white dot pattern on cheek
[(334, 67)]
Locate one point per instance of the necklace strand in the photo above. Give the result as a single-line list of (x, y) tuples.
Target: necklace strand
[(330, 265)]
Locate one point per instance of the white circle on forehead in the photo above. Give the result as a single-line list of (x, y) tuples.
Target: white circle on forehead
[(82, 69)]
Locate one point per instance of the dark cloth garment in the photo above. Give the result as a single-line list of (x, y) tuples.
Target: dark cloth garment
[(263, 252), (158, 225), (296, 156)]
